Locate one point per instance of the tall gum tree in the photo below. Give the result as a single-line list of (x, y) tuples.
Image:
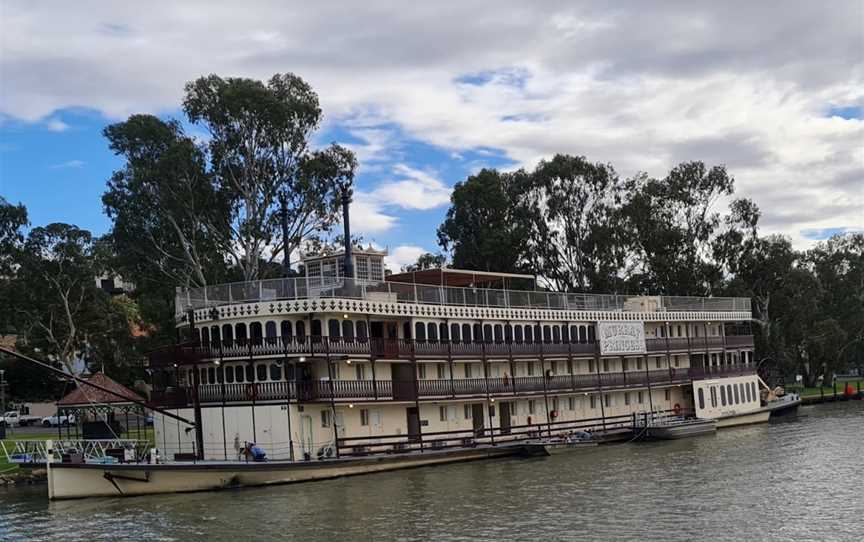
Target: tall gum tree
[(259, 150)]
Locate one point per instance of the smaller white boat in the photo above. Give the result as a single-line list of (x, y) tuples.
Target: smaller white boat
[(779, 403), (671, 429), (563, 444)]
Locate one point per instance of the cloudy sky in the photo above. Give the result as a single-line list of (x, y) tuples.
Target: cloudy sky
[(427, 95)]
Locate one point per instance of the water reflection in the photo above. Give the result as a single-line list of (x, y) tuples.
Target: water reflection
[(799, 480)]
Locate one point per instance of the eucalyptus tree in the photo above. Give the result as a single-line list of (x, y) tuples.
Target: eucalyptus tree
[(259, 152), (576, 241), (486, 228)]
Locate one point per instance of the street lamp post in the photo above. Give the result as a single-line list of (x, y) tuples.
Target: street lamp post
[(3, 403)]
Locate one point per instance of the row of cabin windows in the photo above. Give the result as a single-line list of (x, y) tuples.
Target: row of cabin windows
[(349, 329), (730, 394), (230, 374), (678, 331), (500, 332)]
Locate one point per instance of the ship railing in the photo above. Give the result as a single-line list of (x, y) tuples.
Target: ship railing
[(36, 452), (300, 289)]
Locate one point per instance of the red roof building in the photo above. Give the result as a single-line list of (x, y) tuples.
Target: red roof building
[(85, 395)]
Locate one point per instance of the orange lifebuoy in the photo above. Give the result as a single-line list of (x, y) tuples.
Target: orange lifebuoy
[(677, 409), (252, 391)]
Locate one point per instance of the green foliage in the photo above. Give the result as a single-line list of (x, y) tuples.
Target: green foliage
[(426, 261), (485, 228)]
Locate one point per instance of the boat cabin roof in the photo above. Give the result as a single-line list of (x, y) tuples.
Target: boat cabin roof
[(459, 277)]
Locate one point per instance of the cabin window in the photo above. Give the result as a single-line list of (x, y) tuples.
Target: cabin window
[(443, 332), (701, 398), (270, 331), (591, 365), (467, 370), (362, 330), (250, 373), (555, 403), (477, 333), (713, 397), (517, 334), (467, 411), (203, 376), (739, 393), (729, 394), (625, 363), (583, 335), (215, 335), (608, 400), (529, 334), (455, 336), (420, 331), (508, 333), (301, 329), (722, 395), (432, 332), (348, 330), (487, 333), (239, 373), (326, 418), (229, 375), (360, 371), (627, 397), (593, 402), (442, 413), (315, 330), (538, 333), (532, 406), (530, 368), (466, 333), (571, 403), (205, 335), (421, 371), (605, 365), (334, 329), (256, 332), (441, 371), (676, 360), (574, 334), (261, 372), (747, 390), (755, 393), (285, 328), (275, 372), (240, 330), (364, 416), (547, 334), (362, 267), (556, 334), (641, 397), (565, 334), (499, 333), (591, 334)]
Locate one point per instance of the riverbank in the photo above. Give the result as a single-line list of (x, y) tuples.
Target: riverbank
[(19, 476), (830, 394)]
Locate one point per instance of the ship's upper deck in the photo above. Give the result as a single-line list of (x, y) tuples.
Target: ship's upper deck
[(391, 291)]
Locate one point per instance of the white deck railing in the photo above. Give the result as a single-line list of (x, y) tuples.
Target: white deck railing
[(300, 288)]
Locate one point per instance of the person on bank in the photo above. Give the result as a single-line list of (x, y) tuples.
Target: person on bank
[(255, 453)]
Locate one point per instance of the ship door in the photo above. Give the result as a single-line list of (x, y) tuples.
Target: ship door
[(413, 424), (504, 412), (403, 381), (306, 435), (477, 419)]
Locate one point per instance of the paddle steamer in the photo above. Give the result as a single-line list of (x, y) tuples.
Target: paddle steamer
[(344, 370)]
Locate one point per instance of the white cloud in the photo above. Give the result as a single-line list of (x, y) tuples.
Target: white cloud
[(414, 189), (403, 255), (56, 125), (740, 85), (367, 216), (70, 164)]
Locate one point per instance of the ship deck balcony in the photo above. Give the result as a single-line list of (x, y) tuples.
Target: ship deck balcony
[(346, 391), (303, 289), (408, 349)]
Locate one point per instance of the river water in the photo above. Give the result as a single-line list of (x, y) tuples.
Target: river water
[(797, 480)]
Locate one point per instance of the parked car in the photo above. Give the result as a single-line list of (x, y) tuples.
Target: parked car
[(55, 420), (14, 418)]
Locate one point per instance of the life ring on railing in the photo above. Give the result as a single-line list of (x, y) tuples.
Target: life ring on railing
[(676, 409), (251, 391)]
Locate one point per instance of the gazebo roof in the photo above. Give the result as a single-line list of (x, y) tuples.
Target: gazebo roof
[(81, 397)]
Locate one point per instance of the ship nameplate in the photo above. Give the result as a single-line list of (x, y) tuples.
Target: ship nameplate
[(621, 338)]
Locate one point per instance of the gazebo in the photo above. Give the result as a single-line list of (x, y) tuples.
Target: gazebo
[(97, 413)]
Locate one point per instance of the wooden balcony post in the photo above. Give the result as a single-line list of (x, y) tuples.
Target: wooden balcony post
[(599, 384), (571, 368), (668, 355), (648, 383), (450, 364), (331, 374), (486, 385), (545, 383), (416, 394)]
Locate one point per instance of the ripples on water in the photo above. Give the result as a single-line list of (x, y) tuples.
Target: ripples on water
[(799, 480)]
